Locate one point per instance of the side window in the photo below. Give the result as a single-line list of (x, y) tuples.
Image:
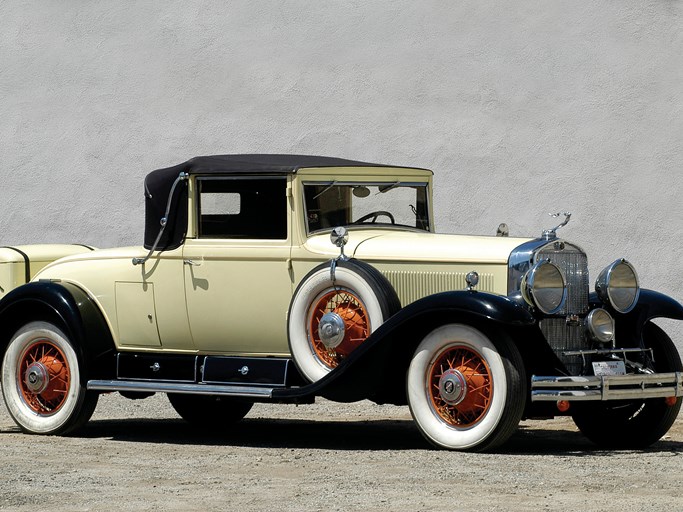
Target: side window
[(242, 207)]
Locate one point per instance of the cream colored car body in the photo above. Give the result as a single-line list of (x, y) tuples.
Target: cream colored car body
[(14, 270), (231, 297)]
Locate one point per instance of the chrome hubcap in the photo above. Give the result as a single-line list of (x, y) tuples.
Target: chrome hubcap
[(452, 387), (36, 378), (331, 329)]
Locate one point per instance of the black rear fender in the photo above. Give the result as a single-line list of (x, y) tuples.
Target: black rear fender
[(71, 309)]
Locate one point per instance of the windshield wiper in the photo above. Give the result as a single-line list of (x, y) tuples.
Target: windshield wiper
[(328, 187), (387, 189)]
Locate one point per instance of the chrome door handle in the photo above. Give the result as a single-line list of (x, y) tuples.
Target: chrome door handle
[(192, 263)]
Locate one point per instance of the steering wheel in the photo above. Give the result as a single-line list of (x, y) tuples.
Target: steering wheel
[(374, 215)]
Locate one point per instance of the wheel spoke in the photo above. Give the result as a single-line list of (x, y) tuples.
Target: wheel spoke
[(356, 325), (51, 362), (471, 408)]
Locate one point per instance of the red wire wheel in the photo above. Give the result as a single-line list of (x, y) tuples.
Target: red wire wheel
[(356, 323), (43, 377), (460, 386)]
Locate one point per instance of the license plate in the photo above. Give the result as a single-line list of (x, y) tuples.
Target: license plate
[(602, 368)]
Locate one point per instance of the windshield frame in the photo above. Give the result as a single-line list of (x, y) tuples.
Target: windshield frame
[(391, 184)]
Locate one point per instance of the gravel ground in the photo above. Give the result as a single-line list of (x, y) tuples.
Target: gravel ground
[(136, 455)]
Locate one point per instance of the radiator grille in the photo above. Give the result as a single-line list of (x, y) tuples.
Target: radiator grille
[(574, 264), (411, 285), (561, 338)]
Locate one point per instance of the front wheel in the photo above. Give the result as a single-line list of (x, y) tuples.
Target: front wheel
[(41, 381), (466, 391), (638, 423)]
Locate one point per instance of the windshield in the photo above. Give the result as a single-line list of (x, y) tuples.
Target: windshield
[(332, 204)]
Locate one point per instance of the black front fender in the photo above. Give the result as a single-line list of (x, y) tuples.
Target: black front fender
[(651, 305), (377, 369), (479, 305), (71, 309)]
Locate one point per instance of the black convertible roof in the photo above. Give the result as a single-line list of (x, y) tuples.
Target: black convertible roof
[(258, 163), (158, 185)]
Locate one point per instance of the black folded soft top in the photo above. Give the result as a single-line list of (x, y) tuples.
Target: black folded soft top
[(159, 183)]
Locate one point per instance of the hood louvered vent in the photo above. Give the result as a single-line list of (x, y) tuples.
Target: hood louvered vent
[(411, 286)]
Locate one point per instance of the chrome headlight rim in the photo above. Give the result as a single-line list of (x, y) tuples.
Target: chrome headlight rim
[(607, 290), (600, 325), (530, 287)]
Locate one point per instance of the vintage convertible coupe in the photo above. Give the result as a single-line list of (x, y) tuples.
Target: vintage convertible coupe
[(282, 278)]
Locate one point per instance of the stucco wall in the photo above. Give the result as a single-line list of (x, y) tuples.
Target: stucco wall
[(521, 108)]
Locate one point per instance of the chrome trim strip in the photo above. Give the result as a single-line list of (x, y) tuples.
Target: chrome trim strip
[(172, 387), (611, 387), (605, 351)]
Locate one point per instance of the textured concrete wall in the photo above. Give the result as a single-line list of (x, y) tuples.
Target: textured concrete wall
[(521, 108)]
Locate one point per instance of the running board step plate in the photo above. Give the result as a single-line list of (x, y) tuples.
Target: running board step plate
[(179, 387)]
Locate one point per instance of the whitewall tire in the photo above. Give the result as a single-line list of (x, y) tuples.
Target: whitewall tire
[(41, 381), (466, 392)]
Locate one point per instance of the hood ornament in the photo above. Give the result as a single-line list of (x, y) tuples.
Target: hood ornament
[(551, 234)]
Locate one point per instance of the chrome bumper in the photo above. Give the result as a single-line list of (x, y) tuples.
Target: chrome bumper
[(612, 387)]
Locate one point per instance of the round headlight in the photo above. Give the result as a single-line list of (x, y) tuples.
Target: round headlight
[(544, 287), (618, 286), (600, 325)]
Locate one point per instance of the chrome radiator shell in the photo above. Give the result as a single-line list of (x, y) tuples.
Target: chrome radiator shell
[(560, 334)]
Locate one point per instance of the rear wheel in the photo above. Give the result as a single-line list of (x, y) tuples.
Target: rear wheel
[(638, 423), (466, 391), (209, 412), (41, 381)]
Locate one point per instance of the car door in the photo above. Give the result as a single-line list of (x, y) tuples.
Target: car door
[(236, 268)]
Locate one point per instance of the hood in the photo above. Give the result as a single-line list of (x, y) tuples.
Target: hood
[(429, 247)]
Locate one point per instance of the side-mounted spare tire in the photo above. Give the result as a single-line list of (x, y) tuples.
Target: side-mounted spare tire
[(330, 317)]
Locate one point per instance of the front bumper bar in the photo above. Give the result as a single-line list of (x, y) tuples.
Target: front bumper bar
[(611, 387)]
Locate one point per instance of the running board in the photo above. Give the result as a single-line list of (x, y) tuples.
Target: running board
[(185, 388)]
